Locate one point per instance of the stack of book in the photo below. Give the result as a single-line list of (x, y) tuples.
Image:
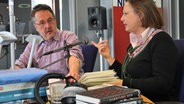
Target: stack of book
[(19, 84), (108, 95), (97, 78)]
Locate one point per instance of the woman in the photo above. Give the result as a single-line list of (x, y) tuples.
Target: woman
[(151, 57)]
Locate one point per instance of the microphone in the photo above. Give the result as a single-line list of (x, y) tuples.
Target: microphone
[(84, 41)]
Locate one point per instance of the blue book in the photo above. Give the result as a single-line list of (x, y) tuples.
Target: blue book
[(20, 94), (10, 76)]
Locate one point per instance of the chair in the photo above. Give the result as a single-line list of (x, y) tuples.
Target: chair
[(178, 97), (180, 69), (89, 53)]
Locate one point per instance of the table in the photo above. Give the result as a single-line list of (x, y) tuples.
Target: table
[(145, 99)]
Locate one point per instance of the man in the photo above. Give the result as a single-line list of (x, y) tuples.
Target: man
[(53, 38)]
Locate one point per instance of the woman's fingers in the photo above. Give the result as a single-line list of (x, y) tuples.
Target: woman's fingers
[(102, 45), (94, 43)]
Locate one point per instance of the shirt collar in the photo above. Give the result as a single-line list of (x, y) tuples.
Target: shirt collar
[(137, 40), (56, 37)]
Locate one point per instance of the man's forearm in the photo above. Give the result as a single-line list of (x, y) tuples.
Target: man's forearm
[(74, 64)]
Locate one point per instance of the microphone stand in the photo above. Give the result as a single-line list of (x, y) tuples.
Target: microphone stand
[(66, 56), (99, 34)]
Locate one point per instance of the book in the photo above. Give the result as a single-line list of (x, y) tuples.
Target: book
[(9, 76), (13, 102), (134, 100), (107, 95), (99, 77), (20, 94), (7, 37), (82, 102), (16, 86), (18, 91)]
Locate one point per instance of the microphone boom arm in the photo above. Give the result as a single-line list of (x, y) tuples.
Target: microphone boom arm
[(66, 56), (85, 41), (65, 48)]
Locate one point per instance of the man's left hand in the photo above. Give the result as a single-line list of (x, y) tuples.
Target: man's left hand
[(75, 75)]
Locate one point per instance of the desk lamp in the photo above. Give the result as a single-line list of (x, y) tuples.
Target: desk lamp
[(34, 39), (6, 38)]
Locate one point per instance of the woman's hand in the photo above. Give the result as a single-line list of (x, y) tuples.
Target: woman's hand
[(118, 82), (104, 50)]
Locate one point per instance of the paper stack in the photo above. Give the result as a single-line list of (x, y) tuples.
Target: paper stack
[(97, 78)]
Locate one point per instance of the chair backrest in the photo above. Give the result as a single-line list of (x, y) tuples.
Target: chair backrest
[(180, 69), (89, 53)]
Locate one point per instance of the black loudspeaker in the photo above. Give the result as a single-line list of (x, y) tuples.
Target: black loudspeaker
[(97, 18)]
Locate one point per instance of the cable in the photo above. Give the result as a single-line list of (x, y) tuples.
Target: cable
[(43, 79), (69, 91)]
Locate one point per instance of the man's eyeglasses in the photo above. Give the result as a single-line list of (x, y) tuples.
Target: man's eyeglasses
[(42, 23)]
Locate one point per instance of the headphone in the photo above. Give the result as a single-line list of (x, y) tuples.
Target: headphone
[(69, 91)]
